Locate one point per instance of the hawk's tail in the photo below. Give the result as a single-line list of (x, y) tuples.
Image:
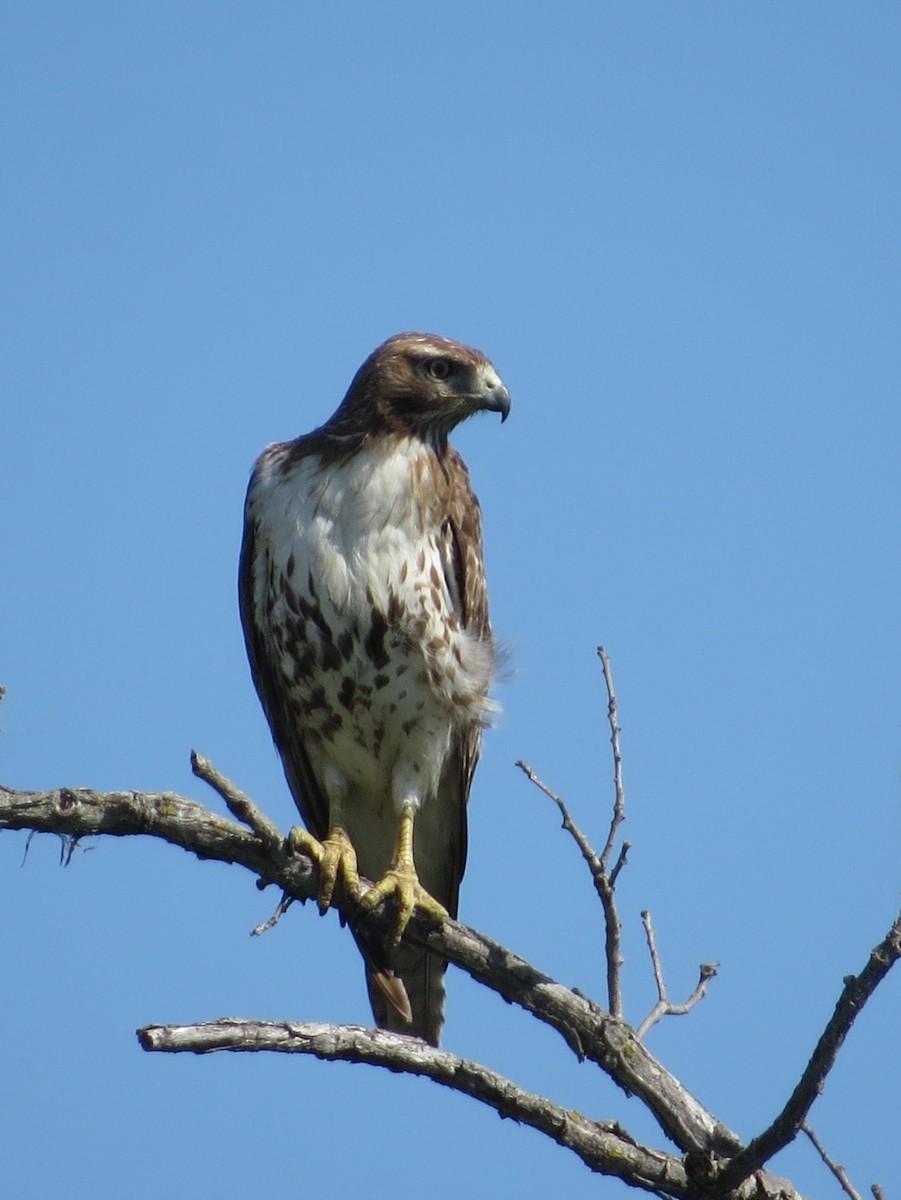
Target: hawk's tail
[(406, 988)]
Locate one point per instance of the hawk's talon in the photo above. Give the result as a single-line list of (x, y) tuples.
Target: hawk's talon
[(336, 859), (403, 884)]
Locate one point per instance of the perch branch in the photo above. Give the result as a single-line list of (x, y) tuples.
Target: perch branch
[(663, 1007), (589, 1030), (602, 1146)]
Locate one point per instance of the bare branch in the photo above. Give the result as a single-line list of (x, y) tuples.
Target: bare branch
[(613, 940), (663, 1007), (655, 958), (620, 862), (280, 909), (239, 803), (604, 881), (602, 1146), (604, 885), (589, 1030), (856, 992), (82, 812), (594, 863), (838, 1171), (619, 802), (878, 1193)]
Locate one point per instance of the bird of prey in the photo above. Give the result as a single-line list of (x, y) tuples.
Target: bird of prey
[(365, 615)]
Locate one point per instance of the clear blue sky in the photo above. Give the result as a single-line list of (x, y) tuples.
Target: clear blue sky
[(675, 229)]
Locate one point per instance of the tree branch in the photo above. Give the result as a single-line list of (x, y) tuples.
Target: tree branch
[(239, 803), (604, 885), (663, 1007), (619, 794), (837, 1170), (856, 992), (590, 1031), (604, 880), (602, 1146)]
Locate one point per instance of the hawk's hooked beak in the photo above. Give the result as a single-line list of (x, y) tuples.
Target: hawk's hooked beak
[(497, 399)]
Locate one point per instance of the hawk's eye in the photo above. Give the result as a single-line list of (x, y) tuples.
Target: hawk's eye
[(439, 368)]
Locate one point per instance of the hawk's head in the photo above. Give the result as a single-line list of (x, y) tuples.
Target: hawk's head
[(422, 384)]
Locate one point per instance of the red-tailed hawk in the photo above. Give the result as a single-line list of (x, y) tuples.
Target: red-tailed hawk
[(365, 615)]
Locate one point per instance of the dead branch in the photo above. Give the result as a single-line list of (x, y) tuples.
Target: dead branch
[(604, 885), (604, 880), (664, 1007), (589, 1030), (856, 992), (619, 794), (837, 1170), (601, 1145), (239, 803)]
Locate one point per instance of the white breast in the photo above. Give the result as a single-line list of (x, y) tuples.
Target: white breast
[(353, 592)]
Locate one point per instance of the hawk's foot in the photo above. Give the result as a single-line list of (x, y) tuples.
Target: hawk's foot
[(402, 882), (336, 859)]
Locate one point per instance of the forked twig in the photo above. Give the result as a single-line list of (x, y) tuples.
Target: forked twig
[(604, 880), (604, 885), (663, 1007), (239, 803)]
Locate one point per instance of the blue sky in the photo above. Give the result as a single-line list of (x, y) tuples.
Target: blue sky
[(674, 228)]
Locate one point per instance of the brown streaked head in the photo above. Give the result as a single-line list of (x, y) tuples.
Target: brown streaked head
[(422, 384)]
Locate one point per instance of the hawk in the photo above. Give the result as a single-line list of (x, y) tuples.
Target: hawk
[(365, 614)]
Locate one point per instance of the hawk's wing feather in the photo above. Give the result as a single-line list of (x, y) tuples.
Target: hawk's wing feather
[(464, 569), (288, 737)]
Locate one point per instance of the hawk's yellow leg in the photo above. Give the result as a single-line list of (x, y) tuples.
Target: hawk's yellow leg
[(401, 881), (336, 858)]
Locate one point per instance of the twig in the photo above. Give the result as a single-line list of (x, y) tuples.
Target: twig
[(239, 804), (280, 909), (856, 992), (620, 862), (878, 1193), (604, 881), (663, 1007), (838, 1171), (604, 885), (601, 1145), (594, 863), (619, 801)]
